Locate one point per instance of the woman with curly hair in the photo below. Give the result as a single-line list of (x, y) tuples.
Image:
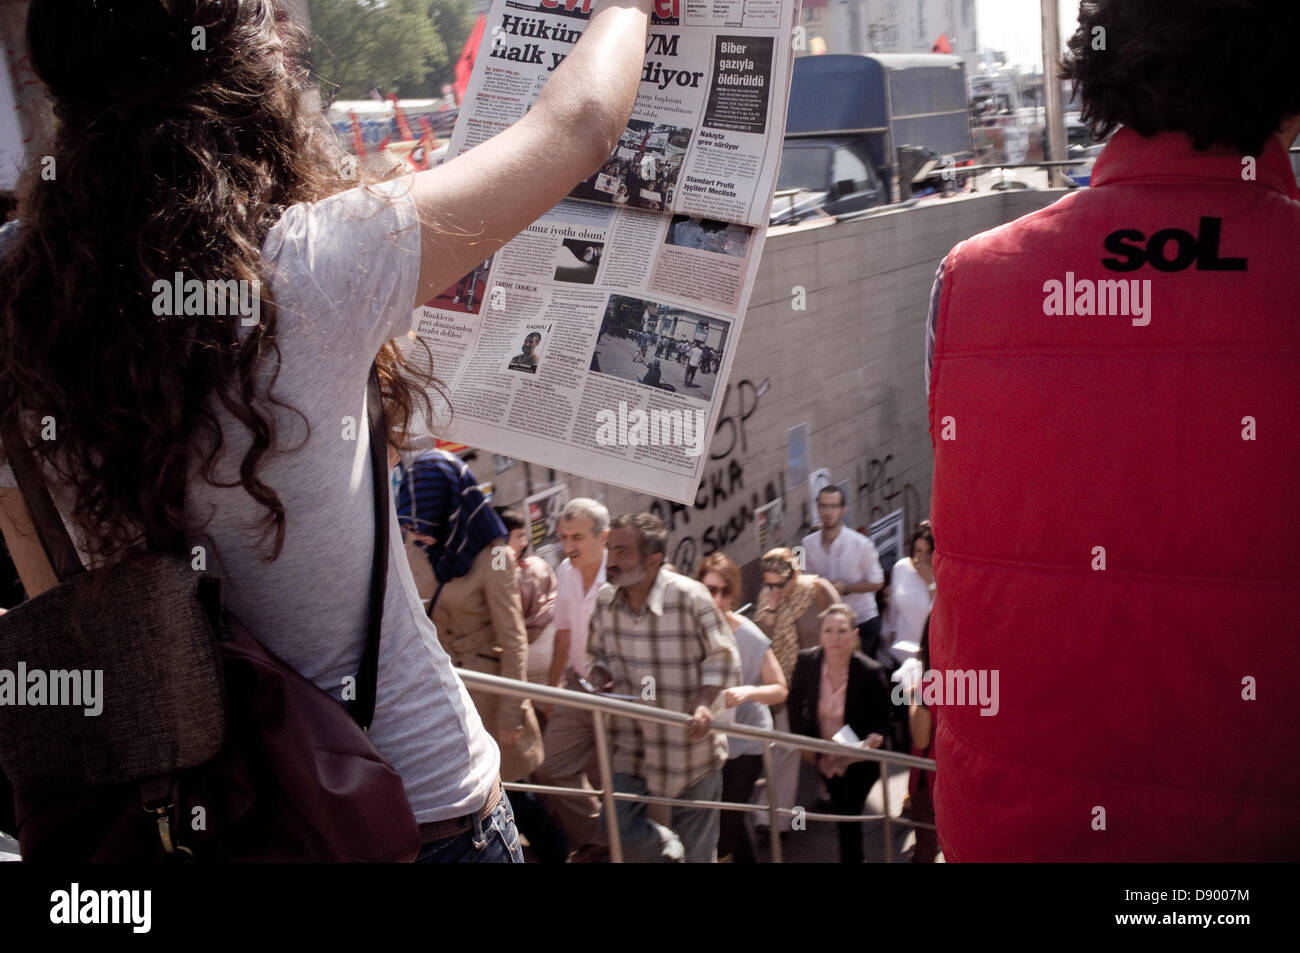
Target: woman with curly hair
[(180, 161)]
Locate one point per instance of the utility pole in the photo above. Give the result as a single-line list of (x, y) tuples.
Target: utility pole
[(1055, 118), (855, 23)]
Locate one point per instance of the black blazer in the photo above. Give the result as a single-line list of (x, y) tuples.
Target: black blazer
[(866, 702)]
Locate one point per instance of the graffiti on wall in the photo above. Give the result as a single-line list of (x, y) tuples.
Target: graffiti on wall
[(730, 492), (727, 497), (879, 493)]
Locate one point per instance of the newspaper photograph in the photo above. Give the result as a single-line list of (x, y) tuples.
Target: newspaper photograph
[(598, 341)]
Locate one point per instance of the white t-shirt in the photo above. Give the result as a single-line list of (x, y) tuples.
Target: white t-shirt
[(851, 558), (344, 273), (910, 599), (573, 608)]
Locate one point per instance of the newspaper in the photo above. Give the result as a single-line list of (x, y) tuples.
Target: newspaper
[(600, 339)]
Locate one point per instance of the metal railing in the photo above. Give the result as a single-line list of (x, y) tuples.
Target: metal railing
[(600, 705)]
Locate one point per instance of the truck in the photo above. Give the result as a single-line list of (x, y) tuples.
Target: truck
[(860, 126), (1001, 126)]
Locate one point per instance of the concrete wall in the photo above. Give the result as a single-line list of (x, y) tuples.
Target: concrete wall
[(851, 366)]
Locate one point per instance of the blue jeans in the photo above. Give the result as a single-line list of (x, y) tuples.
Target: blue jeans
[(694, 835), (493, 840)]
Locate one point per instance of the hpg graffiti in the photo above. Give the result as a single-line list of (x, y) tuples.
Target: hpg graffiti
[(880, 494)]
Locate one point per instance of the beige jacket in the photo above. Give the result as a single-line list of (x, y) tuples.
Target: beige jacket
[(480, 623)]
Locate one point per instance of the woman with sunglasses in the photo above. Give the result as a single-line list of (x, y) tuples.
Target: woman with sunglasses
[(764, 684)]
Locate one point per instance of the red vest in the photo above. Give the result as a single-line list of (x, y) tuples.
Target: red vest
[(1116, 513)]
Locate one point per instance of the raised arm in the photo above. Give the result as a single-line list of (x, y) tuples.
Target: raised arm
[(24, 548), (474, 204)]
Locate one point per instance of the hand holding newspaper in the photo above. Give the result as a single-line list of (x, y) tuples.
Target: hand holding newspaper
[(600, 339)]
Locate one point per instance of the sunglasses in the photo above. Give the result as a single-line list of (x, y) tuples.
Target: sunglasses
[(718, 590)]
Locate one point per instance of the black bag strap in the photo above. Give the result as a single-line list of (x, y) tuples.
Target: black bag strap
[(363, 708), (66, 563), (51, 532)]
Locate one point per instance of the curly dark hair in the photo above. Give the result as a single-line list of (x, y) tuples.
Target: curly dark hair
[(922, 531), (182, 137), (1222, 71)]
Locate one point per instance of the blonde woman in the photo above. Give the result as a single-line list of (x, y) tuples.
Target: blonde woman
[(835, 685)]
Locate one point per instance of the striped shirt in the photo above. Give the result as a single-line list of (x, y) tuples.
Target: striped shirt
[(663, 657)]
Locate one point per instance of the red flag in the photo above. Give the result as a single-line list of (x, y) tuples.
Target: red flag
[(403, 127), (941, 45), (465, 65), (358, 143), (426, 149)]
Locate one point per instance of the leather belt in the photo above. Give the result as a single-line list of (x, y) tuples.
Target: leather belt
[(431, 831)]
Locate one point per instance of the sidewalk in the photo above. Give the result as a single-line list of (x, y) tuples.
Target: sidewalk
[(819, 844)]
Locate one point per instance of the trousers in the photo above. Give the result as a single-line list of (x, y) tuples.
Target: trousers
[(848, 795), (693, 835), (569, 741), (492, 840), (738, 778)]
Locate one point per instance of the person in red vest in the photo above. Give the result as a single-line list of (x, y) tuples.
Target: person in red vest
[(1115, 413)]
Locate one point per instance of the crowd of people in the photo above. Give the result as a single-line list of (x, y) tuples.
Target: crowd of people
[(630, 177), (696, 357), (615, 618)]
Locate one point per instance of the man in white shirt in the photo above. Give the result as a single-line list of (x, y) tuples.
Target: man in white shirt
[(693, 362), (568, 739), (848, 560)]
